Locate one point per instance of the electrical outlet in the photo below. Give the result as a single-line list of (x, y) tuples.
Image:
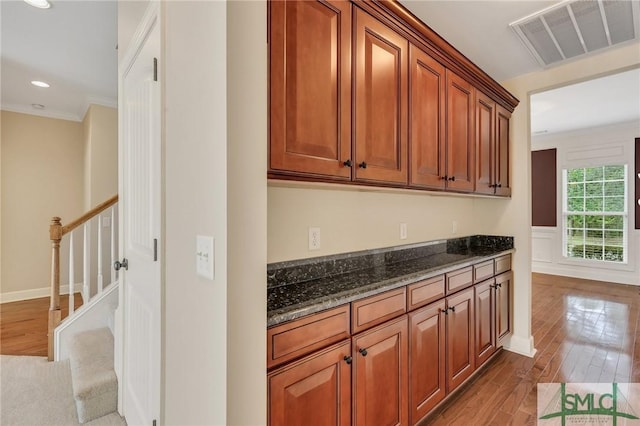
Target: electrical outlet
[(314, 238), (454, 227), (403, 231)]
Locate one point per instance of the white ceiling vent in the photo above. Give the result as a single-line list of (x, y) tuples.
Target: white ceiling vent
[(578, 27)]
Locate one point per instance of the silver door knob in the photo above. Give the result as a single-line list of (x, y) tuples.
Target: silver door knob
[(124, 264)]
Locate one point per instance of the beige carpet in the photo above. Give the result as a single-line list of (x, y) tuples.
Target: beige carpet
[(36, 392)]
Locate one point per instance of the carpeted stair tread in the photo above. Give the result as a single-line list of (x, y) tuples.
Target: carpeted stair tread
[(95, 386)]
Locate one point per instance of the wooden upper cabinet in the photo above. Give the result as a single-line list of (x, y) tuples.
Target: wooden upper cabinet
[(427, 120), (310, 87), (460, 135), (492, 147), (502, 179), (380, 107), (485, 143)]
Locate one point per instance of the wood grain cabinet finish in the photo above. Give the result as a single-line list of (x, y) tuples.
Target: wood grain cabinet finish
[(427, 374), (485, 320), (502, 168), (380, 374), (427, 120), (503, 305), (459, 279), (460, 134), (297, 338), (313, 391), (310, 87), (380, 106), (483, 270), (424, 292), (377, 309), (503, 264), (485, 144), (492, 147), (460, 338)]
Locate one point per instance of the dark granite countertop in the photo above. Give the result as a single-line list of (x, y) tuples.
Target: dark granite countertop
[(300, 288)]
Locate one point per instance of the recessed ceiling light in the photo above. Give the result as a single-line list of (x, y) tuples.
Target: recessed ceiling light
[(38, 106), (40, 83), (40, 4)]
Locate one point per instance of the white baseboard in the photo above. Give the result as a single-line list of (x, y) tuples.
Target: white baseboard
[(606, 275), (521, 345), (35, 293)]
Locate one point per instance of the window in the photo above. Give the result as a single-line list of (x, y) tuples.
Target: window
[(595, 213)]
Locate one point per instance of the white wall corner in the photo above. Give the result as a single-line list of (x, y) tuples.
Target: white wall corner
[(521, 345)]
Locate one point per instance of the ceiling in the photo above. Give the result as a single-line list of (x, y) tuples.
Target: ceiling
[(72, 46)]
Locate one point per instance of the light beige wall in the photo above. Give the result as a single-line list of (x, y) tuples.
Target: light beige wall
[(42, 176), (101, 154), (353, 219), (247, 212), (195, 158)]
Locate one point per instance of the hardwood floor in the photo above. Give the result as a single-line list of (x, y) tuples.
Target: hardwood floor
[(23, 325), (585, 331)]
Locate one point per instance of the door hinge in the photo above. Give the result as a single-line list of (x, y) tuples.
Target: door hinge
[(155, 249), (155, 69), (154, 422)]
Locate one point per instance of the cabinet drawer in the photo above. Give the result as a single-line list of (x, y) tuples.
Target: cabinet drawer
[(457, 280), (300, 337), (503, 264), (377, 309), (482, 271), (424, 292)]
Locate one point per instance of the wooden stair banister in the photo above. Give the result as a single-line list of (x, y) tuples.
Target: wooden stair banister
[(56, 232)]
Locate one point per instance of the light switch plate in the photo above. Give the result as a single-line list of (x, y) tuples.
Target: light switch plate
[(205, 256)]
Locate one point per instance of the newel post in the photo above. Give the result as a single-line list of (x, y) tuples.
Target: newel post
[(55, 234)]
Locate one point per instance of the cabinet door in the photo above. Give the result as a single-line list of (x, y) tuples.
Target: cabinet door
[(310, 87), (460, 353), (485, 143), (427, 120), (426, 360), (485, 338), (460, 134), (502, 152), (381, 57), (313, 391), (503, 305), (380, 375)]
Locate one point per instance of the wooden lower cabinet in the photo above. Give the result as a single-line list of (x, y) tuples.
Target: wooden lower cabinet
[(427, 383), (313, 391), (503, 306), (460, 338), (485, 321), (380, 374), (396, 372)]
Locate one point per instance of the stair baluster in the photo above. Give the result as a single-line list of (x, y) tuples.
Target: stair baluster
[(56, 232)]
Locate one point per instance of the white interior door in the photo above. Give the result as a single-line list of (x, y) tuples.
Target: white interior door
[(141, 233)]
